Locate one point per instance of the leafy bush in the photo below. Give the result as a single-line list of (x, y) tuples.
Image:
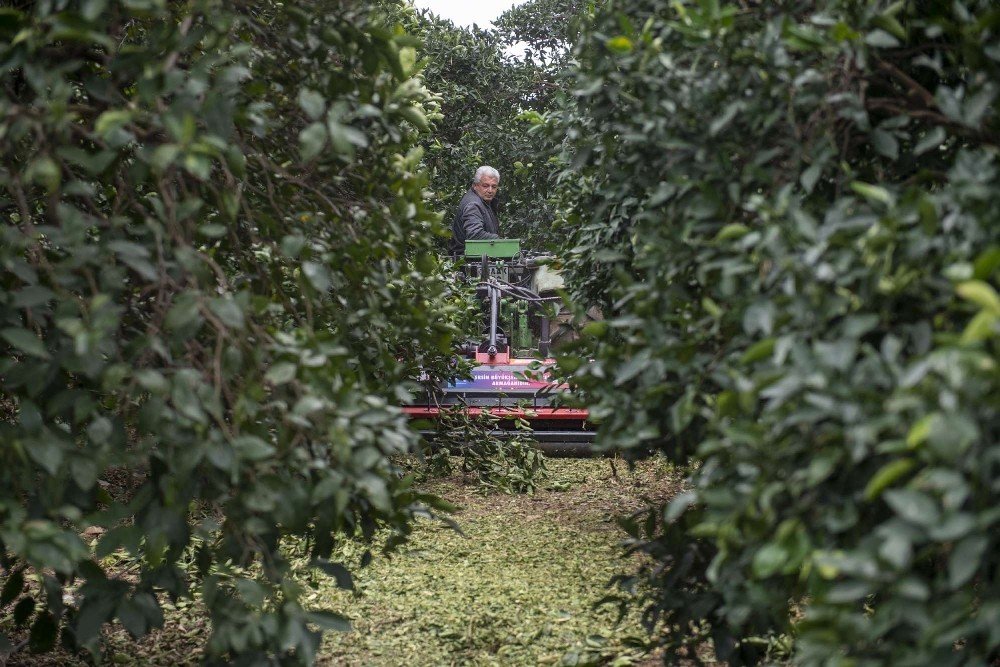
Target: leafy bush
[(217, 271), (785, 211), (506, 464)]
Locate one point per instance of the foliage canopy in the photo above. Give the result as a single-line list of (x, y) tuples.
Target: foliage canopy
[(214, 233), (218, 270), (785, 211)]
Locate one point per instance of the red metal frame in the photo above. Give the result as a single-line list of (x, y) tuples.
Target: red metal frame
[(567, 414), (498, 359)]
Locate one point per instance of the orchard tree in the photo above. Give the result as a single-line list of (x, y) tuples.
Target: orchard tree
[(543, 32), (786, 212), (489, 102), (217, 273)]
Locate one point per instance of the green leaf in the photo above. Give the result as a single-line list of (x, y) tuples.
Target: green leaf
[(313, 103), (678, 505), (152, 381), (312, 140), (46, 452), (32, 297), (955, 526), (980, 293), (848, 591), (920, 430), (292, 245), (184, 313), (111, 120), (345, 138), (810, 176), (732, 231), (759, 317), (682, 412), (92, 163), (966, 559), (26, 342), (619, 44), (93, 614), (416, 116), (252, 592), (762, 349), (987, 263), (769, 560), (198, 166), (631, 368), (976, 106), (136, 257), (281, 372), (896, 547), (881, 39), (889, 21), (164, 156), (253, 448), (100, 430), (885, 144), (934, 138), (725, 118), (842, 32), (213, 230), (596, 329), (187, 402), (45, 172), (131, 619), (127, 537), (228, 311), (408, 59), (886, 476), (914, 506), (317, 274), (981, 327), (236, 160), (873, 193), (85, 472)]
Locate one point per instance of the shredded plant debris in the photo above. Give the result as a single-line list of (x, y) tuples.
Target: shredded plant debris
[(517, 585)]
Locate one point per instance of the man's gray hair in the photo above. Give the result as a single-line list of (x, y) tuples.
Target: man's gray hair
[(485, 171)]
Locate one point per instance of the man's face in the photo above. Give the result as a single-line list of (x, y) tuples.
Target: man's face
[(487, 187)]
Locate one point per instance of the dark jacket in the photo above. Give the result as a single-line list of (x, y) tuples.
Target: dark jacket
[(474, 220)]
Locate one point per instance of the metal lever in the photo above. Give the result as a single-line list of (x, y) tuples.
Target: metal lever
[(494, 310)]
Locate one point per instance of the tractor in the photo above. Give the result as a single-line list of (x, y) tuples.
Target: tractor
[(510, 379)]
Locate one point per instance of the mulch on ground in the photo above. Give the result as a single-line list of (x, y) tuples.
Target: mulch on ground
[(517, 586)]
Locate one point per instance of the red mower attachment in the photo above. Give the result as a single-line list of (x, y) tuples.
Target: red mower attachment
[(504, 386), (506, 394)]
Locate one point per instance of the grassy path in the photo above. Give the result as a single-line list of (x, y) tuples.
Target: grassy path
[(516, 587)]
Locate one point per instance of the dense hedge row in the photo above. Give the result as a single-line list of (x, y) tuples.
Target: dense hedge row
[(213, 230), (786, 212)]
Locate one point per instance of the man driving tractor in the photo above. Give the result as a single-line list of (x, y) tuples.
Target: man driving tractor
[(476, 216)]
